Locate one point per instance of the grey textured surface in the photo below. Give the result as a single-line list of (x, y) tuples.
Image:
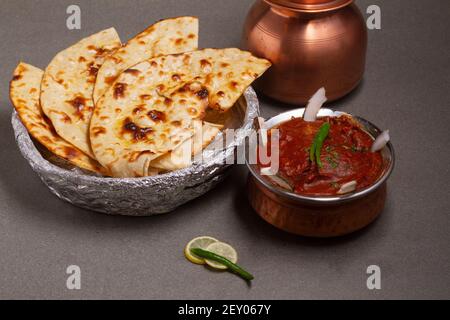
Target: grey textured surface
[(406, 89)]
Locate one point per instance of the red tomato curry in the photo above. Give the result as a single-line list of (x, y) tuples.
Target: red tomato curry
[(345, 156)]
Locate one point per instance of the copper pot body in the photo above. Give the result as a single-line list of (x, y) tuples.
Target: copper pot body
[(317, 43), (310, 220)]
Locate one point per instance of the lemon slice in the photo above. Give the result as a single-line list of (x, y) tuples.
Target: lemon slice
[(200, 242), (224, 250)]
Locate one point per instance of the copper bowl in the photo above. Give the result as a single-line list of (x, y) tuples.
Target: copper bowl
[(311, 44), (319, 216)]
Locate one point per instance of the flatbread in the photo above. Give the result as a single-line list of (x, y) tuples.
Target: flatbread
[(150, 109), (24, 94), (180, 157), (168, 36), (68, 84)]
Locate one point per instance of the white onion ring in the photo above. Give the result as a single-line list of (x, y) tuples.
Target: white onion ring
[(261, 126), (315, 103), (260, 123), (276, 179), (381, 141), (348, 187)]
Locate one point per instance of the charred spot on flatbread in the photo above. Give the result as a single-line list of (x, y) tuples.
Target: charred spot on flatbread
[(169, 36), (68, 85), (25, 94), (163, 106)]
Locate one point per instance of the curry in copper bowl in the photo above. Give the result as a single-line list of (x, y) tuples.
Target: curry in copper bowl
[(330, 173)]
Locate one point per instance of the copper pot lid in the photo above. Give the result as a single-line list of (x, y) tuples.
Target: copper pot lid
[(310, 5)]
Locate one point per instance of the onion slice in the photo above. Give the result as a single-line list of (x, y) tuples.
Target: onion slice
[(315, 103), (260, 124), (267, 171), (348, 187), (276, 179), (381, 141)]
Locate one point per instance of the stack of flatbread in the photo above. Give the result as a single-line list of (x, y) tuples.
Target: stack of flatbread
[(135, 109)]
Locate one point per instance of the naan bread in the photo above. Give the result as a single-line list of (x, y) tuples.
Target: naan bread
[(168, 36), (150, 109), (24, 93), (180, 157), (68, 84)]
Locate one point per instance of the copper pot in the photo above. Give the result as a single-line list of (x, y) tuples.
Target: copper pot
[(311, 43), (319, 216)]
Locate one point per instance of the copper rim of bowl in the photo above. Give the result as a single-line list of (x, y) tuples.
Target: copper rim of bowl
[(388, 154), (304, 6)]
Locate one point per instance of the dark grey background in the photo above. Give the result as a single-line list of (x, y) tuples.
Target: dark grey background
[(406, 89)]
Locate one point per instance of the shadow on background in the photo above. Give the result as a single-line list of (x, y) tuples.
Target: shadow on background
[(18, 180), (29, 195)]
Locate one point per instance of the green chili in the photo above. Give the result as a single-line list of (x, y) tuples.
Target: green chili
[(317, 144), (231, 266), (312, 151)]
